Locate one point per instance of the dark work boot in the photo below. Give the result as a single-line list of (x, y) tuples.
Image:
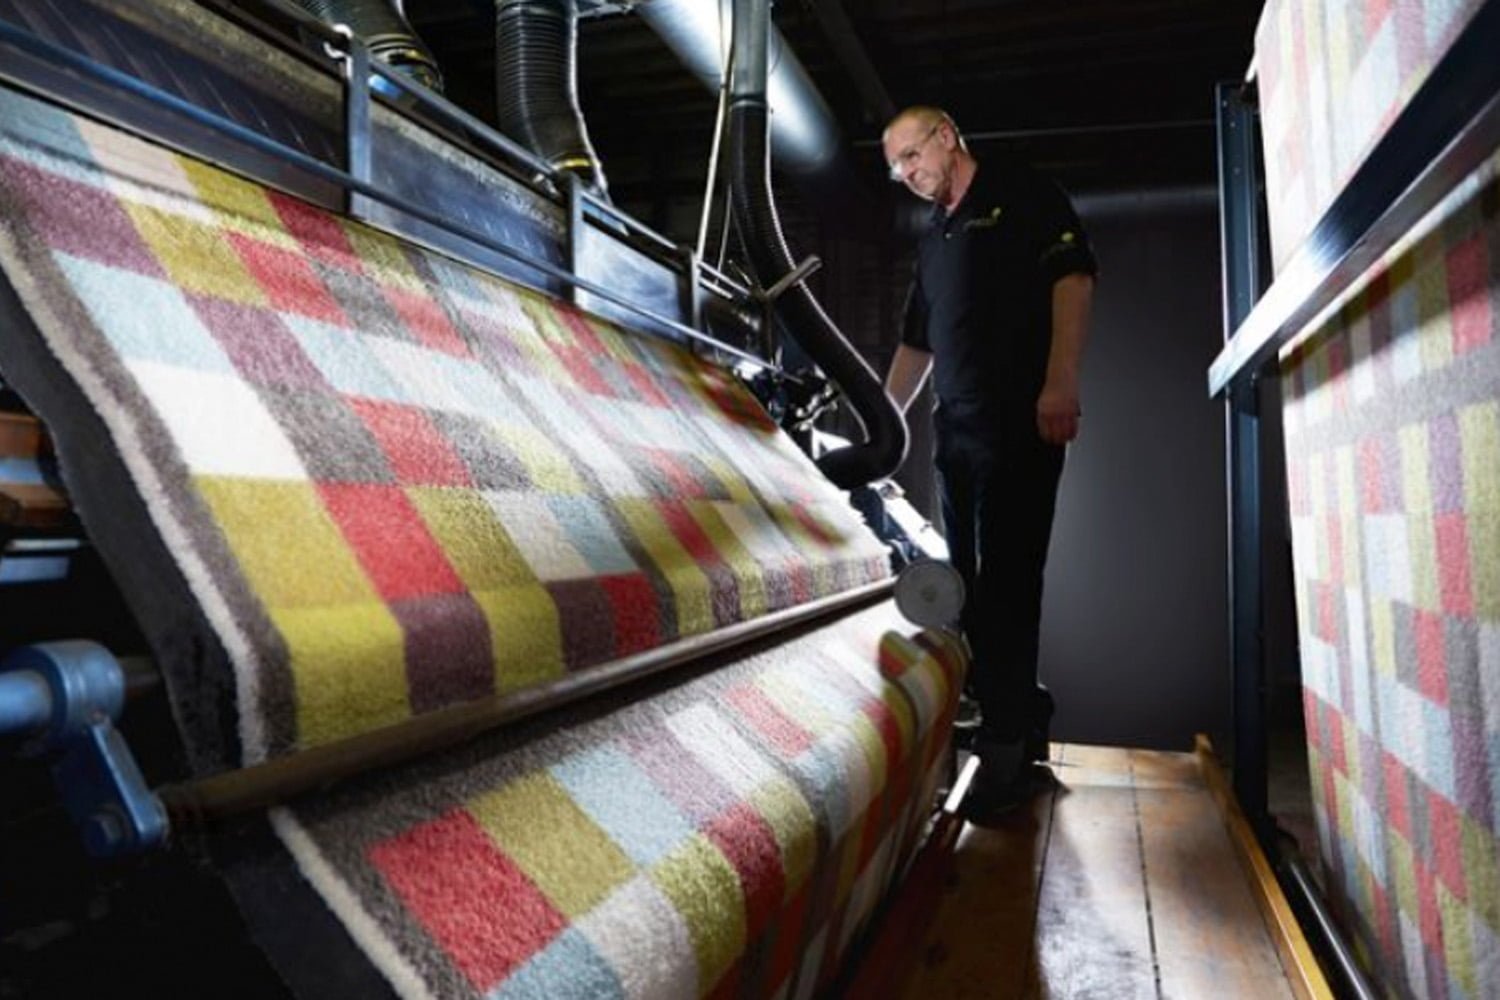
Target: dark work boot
[(1006, 779), (1039, 736), (966, 724)]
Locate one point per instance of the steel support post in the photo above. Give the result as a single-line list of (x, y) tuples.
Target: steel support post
[(1239, 232)]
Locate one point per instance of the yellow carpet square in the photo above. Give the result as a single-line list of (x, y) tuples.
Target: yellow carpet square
[(705, 889), (258, 518), (472, 538), (524, 633), (348, 669), (554, 842), (197, 257)]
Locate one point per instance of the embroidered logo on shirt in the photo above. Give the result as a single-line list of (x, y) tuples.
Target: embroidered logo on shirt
[(985, 221), (1067, 241)]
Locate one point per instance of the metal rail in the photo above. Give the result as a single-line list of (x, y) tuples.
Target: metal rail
[(451, 116), (1448, 129), (489, 141), (263, 785), (347, 179), (1296, 876), (71, 692)]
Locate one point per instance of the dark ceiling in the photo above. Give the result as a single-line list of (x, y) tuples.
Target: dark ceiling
[(1104, 94)]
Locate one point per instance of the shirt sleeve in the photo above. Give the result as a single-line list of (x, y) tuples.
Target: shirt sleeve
[(914, 319), (1063, 247)]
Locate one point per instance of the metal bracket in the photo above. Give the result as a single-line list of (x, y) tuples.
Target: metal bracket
[(354, 68), (65, 696), (802, 271), (767, 297), (692, 288)]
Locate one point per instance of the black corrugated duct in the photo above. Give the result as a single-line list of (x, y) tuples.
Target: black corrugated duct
[(536, 80), (760, 229), (382, 26)]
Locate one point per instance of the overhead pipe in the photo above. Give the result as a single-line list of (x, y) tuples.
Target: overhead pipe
[(760, 229), (382, 26), (807, 145), (805, 133), (536, 80)]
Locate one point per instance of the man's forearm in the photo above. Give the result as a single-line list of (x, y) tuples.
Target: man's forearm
[(1072, 297), (1057, 408), (908, 371)]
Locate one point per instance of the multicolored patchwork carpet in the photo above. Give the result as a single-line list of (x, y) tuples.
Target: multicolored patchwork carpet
[(385, 482), (344, 481), (1393, 455), (1332, 76), (730, 836)]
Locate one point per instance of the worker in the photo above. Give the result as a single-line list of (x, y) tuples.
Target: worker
[(998, 310)]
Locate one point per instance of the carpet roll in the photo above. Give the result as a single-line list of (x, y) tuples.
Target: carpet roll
[(364, 481), (1392, 422), (729, 835), (1332, 76)]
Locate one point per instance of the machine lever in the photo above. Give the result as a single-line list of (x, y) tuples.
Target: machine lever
[(802, 271), (62, 698)]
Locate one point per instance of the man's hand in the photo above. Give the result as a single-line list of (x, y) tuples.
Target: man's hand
[(1057, 412), (909, 370), (1057, 409)]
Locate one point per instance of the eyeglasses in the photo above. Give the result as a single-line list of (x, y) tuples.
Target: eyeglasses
[(911, 154)]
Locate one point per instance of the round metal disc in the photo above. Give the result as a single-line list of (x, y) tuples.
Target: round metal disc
[(930, 593)]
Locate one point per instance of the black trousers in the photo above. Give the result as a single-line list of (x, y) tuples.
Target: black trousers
[(999, 491)]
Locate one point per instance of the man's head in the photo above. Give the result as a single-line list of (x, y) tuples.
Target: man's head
[(926, 152)]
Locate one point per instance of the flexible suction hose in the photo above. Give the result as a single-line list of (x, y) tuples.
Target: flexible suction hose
[(536, 79), (760, 229), (383, 27)]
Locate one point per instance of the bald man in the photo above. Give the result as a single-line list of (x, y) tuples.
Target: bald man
[(998, 312)]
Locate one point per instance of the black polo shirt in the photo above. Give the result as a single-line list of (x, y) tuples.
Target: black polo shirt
[(981, 300)]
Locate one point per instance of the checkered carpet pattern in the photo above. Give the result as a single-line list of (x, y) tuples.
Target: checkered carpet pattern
[(1392, 417), (392, 482), (1332, 76), (729, 837)]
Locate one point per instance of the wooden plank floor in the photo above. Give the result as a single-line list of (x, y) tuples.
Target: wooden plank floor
[(1120, 883)]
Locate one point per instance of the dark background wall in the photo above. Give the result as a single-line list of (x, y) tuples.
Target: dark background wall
[(1134, 631), (1099, 95), (1135, 619)]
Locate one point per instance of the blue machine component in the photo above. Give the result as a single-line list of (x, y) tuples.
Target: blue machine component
[(63, 697), (929, 591), (25, 702), (896, 522)]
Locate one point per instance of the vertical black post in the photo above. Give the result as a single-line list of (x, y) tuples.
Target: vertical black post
[(1239, 232)]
